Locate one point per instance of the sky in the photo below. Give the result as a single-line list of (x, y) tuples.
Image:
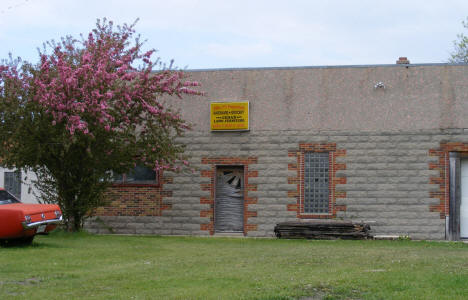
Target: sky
[(207, 34)]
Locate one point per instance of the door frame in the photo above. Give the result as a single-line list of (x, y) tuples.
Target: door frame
[(244, 194), (452, 224)]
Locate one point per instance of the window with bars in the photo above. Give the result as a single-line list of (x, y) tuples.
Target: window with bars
[(12, 183), (316, 182)]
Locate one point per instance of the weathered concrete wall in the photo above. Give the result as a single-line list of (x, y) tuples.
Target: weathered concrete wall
[(387, 181), (338, 98)]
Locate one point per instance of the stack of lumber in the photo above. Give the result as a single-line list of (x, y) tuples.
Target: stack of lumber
[(323, 229)]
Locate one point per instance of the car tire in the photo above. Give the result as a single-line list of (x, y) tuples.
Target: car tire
[(25, 241)]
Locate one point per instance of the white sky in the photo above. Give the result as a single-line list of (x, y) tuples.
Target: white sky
[(255, 33)]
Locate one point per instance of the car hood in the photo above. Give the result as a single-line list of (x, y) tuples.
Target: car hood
[(30, 209)]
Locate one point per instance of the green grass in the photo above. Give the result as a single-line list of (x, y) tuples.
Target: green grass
[(82, 266)]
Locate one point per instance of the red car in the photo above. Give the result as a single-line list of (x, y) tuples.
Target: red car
[(20, 222)]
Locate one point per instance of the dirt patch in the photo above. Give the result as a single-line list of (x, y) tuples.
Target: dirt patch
[(326, 292)]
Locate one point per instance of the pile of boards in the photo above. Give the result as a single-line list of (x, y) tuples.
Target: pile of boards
[(323, 229)]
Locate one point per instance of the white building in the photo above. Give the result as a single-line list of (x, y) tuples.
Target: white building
[(19, 184)]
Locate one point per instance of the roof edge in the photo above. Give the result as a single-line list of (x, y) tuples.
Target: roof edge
[(329, 67)]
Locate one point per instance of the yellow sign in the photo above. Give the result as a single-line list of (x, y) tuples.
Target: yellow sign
[(229, 116)]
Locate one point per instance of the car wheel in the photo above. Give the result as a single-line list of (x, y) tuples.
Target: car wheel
[(25, 241)]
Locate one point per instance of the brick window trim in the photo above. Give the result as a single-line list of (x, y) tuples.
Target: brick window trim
[(443, 179), (299, 166), (135, 185), (228, 161)]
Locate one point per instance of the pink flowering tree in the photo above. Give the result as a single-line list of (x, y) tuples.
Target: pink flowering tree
[(88, 109)]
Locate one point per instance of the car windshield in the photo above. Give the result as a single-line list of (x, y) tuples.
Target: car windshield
[(7, 198)]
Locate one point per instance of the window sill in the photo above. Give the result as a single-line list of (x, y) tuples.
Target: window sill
[(135, 185), (316, 216)]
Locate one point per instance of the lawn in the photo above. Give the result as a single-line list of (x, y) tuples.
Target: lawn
[(82, 266)]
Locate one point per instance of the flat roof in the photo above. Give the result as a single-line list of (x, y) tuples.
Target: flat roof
[(328, 67)]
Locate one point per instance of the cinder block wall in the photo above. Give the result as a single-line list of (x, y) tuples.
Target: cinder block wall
[(389, 182)]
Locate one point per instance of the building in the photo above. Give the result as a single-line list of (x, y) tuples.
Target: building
[(19, 183), (383, 144)]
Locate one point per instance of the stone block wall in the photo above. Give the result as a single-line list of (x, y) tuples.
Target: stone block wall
[(385, 178)]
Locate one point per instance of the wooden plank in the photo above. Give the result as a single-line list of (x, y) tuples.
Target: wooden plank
[(323, 230)]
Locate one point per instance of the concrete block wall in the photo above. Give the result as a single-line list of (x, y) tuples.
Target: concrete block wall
[(387, 182)]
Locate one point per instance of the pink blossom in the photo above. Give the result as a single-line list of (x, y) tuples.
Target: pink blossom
[(96, 86)]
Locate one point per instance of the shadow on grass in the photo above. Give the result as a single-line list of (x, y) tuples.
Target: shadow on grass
[(43, 243), (34, 245), (66, 234)]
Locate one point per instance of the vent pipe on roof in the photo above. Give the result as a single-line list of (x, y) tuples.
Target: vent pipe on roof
[(403, 61)]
